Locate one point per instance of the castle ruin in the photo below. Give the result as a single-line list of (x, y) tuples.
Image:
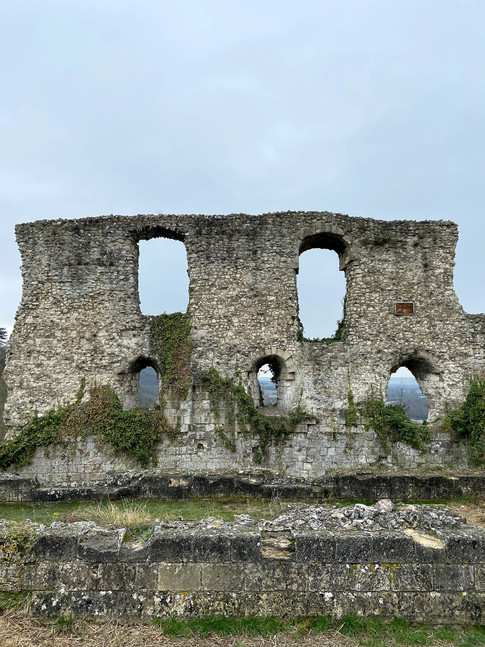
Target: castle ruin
[(80, 320)]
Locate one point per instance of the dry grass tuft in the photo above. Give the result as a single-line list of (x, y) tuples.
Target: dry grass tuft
[(126, 514)]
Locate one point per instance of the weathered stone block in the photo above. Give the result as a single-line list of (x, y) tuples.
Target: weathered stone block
[(117, 576), (314, 547), (11, 578), (68, 576), (282, 576), (180, 577), (354, 548), (211, 547), (246, 547), (369, 577), (325, 577), (223, 577), (479, 570), (100, 545), (170, 547), (411, 577), (453, 577), (146, 576), (393, 547), (468, 549), (57, 545)]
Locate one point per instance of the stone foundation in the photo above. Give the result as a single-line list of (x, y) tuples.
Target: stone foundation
[(264, 484), (80, 569)]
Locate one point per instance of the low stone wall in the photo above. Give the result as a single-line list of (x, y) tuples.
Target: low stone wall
[(80, 569), (265, 484)]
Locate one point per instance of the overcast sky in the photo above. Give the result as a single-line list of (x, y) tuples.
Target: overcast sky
[(372, 108)]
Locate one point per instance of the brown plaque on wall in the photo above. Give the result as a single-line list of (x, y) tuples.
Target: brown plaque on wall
[(405, 308)]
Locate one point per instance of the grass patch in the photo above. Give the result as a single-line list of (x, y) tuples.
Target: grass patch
[(16, 627), (138, 514), (222, 626), (12, 600), (368, 632)]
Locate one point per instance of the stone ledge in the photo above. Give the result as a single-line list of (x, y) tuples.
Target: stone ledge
[(264, 483)]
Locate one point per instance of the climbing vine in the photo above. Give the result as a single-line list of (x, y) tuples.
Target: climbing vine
[(389, 421), (468, 421), (40, 431), (392, 424), (351, 411), (136, 432), (171, 338), (230, 400)]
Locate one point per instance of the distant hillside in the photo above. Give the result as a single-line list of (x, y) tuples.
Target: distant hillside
[(268, 389), (406, 391)]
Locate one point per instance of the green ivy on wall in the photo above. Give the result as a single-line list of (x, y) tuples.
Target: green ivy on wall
[(230, 400), (172, 344)]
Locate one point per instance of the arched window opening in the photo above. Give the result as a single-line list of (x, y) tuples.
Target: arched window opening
[(404, 389), (268, 386), (140, 384), (148, 388), (321, 293), (163, 282)]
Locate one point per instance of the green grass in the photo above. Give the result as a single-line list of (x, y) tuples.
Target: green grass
[(12, 600), (189, 509), (136, 514), (222, 626), (368, 632)]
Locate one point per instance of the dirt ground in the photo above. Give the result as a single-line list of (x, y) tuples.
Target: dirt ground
[(17, 629), (473, 512)]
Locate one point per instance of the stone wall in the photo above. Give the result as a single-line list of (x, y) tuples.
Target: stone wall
[(244, 484), (305, 454), (80, 569), (80, 318)]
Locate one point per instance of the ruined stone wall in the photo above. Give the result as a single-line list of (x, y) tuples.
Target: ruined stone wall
[(80, 569), (79, 317)]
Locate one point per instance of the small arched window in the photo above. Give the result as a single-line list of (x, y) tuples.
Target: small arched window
[(403, 389), (272, 380), (148, 388), (268, 386), (142, 384)]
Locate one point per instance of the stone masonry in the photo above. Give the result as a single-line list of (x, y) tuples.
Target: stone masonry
[(80, 318), (212, 568)]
